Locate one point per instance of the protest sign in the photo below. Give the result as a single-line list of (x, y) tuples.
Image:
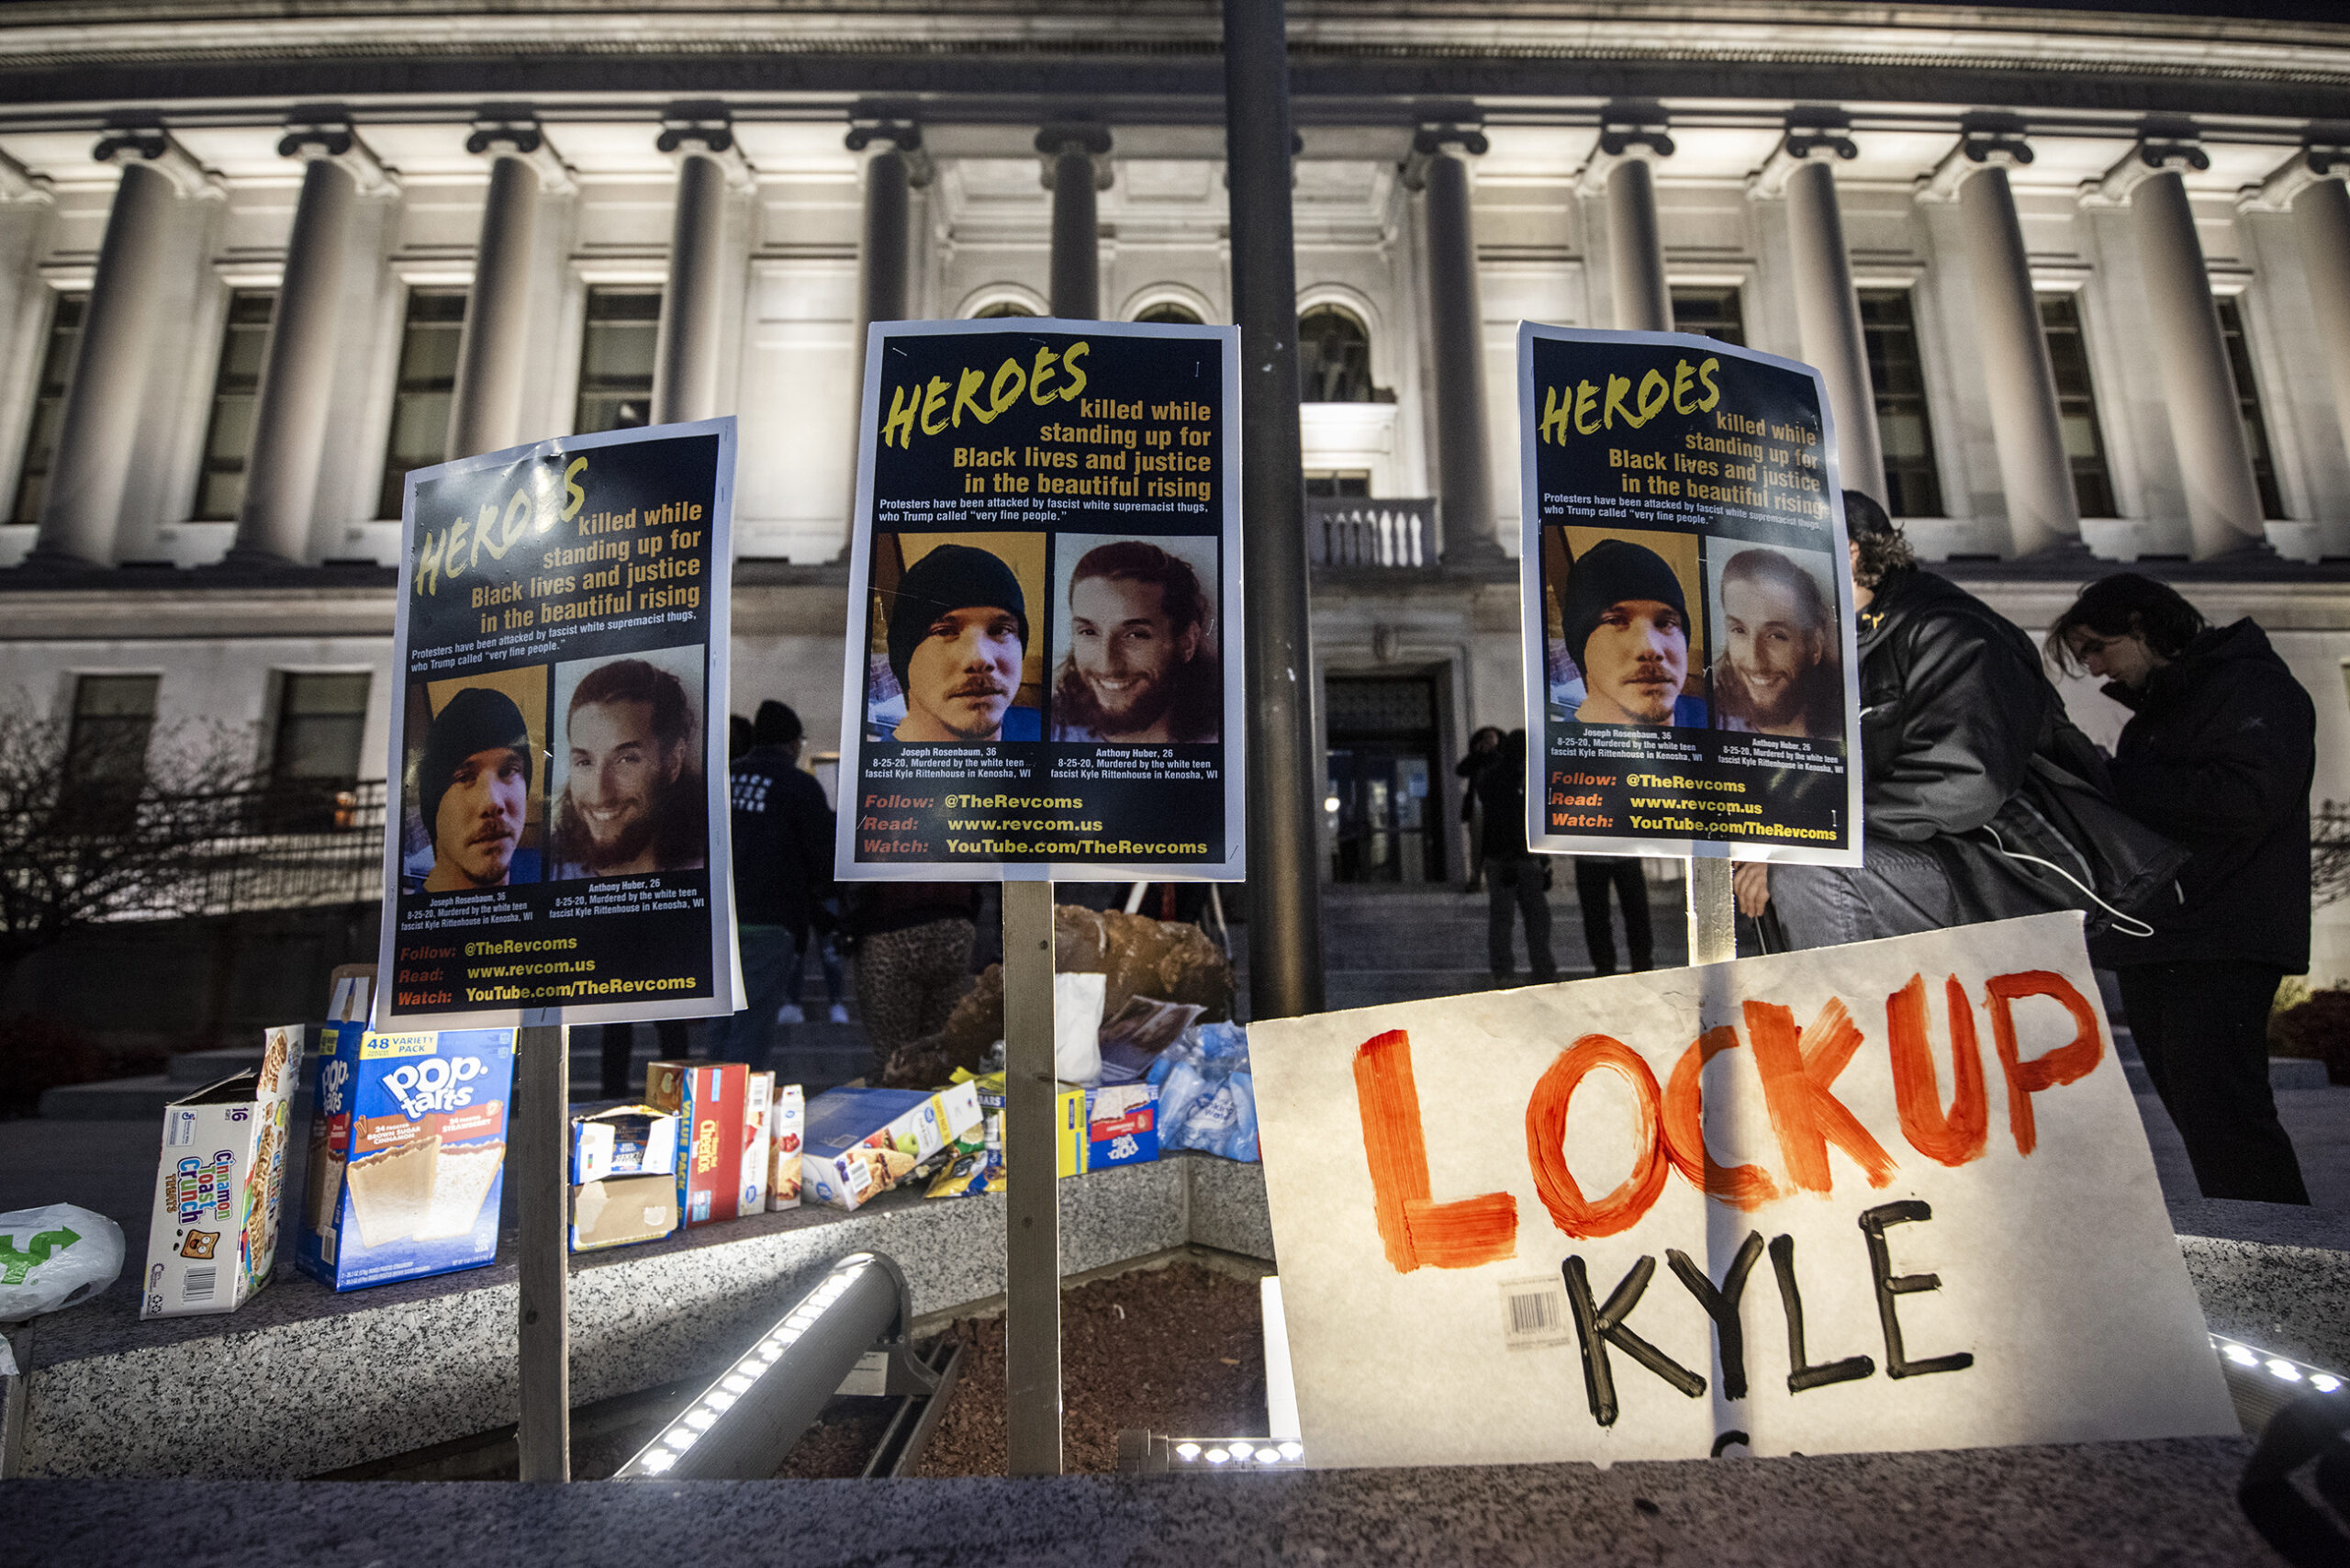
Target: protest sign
[(556, 825), (1690, 673), (1889, 1195), (1045, 648)]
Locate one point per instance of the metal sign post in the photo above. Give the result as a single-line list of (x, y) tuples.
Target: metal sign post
[(1713, 910), (1032, 1249), (541, 1130)]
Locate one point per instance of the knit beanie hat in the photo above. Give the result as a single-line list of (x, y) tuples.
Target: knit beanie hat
[(953, 576), (1611, 572), (476, 719), (776, 725)]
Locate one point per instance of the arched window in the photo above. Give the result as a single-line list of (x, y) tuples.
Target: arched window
[(1333, 358), (1000, 309), (1171, 310)]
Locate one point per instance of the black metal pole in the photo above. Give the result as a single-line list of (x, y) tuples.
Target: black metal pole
[(1284, 795)]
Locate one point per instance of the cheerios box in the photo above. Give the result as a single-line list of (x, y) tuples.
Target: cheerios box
[(408, 1154), (212, 1235)]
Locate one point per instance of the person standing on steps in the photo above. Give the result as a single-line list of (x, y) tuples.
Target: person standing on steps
[(1482, 747), (1517, 880), (783, 865), (1594, 874), (2219, 754)]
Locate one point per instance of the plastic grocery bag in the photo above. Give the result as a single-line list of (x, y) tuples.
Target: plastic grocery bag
[(54, 1257), (1207, 1100), (1076, 1027)]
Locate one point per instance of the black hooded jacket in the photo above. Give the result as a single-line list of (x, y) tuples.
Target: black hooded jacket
[(2219, 754)]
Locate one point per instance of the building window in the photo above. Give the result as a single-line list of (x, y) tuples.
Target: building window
[(616, 360), (2060, 323), (1172, 312), (321, 721), (1002, 309), (1913, 485), (106, 751), (221, 487), (1331, 486), (426, 389), (1711, 312), (48, 406), (2256, 426), (1333, 359)]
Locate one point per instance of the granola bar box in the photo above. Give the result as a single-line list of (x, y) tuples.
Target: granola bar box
[(212, 1234), (408, 1154)]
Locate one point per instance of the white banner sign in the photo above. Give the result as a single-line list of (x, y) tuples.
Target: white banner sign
[(1890, 1195)]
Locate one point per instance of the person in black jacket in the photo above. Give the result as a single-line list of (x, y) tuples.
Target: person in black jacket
[(1516, 877), (783, 866), (1483, 745), (1954, 708), (2219, 754)]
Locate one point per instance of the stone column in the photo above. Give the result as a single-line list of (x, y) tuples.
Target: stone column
[(685, 362), (297, 378), (884, 256), (1635, 251), (487, 413), (1076, 165), (1827, 313), (2224, 512), (98, 430), (1457, 330), (2025, 427), (2321, 220)]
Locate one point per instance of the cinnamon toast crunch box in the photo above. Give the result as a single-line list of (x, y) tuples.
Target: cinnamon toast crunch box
[(408, 1154), (212, 1235)]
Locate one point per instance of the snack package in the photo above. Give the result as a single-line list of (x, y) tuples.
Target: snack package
[(408, 1154), (1206, 1099), (212, 1234), (862, 1142), (618, 1210), (967, 1175), (786, 1127), (51, 1257), (1121, 1125), (758, 1108), (707, 1098), (627, 1140), (1069, 1141)]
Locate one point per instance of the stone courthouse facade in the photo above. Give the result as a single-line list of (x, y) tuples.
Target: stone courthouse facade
[(2078, 278)]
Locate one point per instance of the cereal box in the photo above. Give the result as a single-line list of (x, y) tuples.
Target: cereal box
[(617, 1211), (862, 1142), (787, 1126), (408, 1154), (1070, 1145), (708, 1099), (212, 1238), (759, 1107), (627, 1140)]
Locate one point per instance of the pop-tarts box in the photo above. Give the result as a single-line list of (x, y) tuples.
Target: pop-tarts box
[(709, 1100), (1121, 1125), (212, 1236), (408, 1154)]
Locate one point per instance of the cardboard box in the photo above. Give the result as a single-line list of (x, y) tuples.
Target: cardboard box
[(862, 1142), (787, 1129), (212, 1236), (758, 1108), (1121, 1125), (627, 1140), (1070, 1142), (408, 1154), (708, 1099), (618, 1210)]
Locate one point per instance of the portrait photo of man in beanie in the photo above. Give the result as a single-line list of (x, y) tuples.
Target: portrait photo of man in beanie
[(1624, 617), (957, 647), (471, 784)]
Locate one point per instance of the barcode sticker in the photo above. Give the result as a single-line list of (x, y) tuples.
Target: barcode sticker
[(1534, 1312), (198, 1285)]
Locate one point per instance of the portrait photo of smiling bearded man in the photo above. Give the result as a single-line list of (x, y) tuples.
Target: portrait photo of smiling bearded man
[(634, 799), (1141, 665)]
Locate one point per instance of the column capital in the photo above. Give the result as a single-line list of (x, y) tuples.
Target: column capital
[(153, 147), (2313, 164), (1055, 140), (905, 136), (1803, 143), (2156, 154), (690, 131), (335, 141), (1430, 143), (20, 184), (1982, 144), (1624, 137), (504, 132)]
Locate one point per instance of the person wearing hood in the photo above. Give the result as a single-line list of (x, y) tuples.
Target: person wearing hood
[(2219, 754)]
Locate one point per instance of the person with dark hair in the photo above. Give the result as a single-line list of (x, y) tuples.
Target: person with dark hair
[(473, 790), (783, 867), (1954, 709), (958, 631), (1778, 672), (1483, 745), (738, 737), (633, 800), (1626, 621), (2219, 754), (1140, 668), (1517, 880)]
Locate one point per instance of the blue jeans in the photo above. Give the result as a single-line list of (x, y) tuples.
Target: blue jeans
[(770, 963), (1901, 891)]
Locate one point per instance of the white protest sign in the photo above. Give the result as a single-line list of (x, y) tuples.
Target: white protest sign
[(1890, 1195)]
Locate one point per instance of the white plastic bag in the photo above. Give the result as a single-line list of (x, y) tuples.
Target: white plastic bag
[(54, 1257), (1077, 1026)]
